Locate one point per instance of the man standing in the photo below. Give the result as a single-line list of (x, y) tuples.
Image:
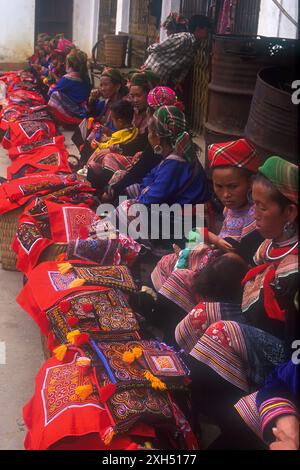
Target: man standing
[(172, 58)]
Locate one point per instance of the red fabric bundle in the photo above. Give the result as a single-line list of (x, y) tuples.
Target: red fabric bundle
[(58, 419), (65, 223), (21, 133), (52, 289), (49, 159), (57, 142), (17, 193)]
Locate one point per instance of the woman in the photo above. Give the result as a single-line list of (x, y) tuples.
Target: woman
[(233, 166), (240, 355), (68, 99), (178, 179), (140, 84)]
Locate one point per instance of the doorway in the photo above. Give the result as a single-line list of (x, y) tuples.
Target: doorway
[(54, 17)]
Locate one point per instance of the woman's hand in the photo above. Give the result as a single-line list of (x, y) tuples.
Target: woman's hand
[(109, 195), (220, 243), (95, 94), (286, 434), (177, 250), (94, 144)]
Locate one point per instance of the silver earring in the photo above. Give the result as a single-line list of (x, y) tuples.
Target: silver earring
[(289, 229), (249, 197), (158, 149)]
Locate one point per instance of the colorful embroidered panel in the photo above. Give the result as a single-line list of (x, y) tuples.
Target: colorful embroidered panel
[(128, 407), (111, 314), (111, 276), (160, 361), (75, 218), (58, 392)]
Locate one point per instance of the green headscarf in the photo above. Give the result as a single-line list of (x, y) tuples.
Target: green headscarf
[(116, 77), (146, 79), (283, 175), (170, 123), (77, 59)]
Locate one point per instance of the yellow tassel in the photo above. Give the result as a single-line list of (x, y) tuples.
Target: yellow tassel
[(128, 357), (109, 437), (71, 336), (137, 352), (60, 352), (148, 445), (156, 383), (65, 268), (84, 391), (76, 283)]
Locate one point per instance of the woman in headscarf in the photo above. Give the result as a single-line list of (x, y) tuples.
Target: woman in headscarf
[(233, 165), (68, 99), (112, 88), (228, 354), (140, 84), (178, 179)]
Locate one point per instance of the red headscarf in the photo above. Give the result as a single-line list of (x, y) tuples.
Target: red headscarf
[(237, 154)]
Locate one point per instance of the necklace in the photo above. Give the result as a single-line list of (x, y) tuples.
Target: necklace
[(281, 256)]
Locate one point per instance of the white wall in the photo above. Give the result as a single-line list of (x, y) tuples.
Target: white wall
[(273, 23), (123, 14), (17, 18), (168, 6), (85, 24)]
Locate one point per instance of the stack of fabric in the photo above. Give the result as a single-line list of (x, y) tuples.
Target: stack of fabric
[(105, 387)]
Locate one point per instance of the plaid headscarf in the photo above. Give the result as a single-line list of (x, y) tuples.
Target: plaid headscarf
[(146, 79), (170, 122), (237, 154), (164, 96), (176, 23), (283, 175)]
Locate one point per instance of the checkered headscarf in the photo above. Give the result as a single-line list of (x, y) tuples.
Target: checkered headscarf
[(237, 154), (170, 122)]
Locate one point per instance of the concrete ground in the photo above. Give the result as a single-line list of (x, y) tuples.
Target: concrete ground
[(20, 338)]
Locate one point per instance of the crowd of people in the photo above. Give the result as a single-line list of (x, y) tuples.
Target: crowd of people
[(212, 333)]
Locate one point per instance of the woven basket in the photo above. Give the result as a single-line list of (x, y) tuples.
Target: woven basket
[(115, 50), (52, 252), (8, 229), (46, 351)]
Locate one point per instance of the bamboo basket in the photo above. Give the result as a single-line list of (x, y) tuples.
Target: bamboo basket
[(46, 351), (8, 229), (115, 50)]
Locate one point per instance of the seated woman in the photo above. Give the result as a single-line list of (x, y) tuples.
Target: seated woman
[(178, 179), (109, 157), (68, 99), (230, 357), (112, 88), (144, 161), (234, 165)]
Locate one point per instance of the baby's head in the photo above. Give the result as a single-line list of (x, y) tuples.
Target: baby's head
[(122, 113), (221, 280)]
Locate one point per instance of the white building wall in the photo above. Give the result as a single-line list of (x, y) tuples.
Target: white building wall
[(273, 23), (123, 16), (17, 18), (85, 24)]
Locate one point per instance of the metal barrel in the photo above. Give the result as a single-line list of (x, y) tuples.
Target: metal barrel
[(236, 62), (273, 122)]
